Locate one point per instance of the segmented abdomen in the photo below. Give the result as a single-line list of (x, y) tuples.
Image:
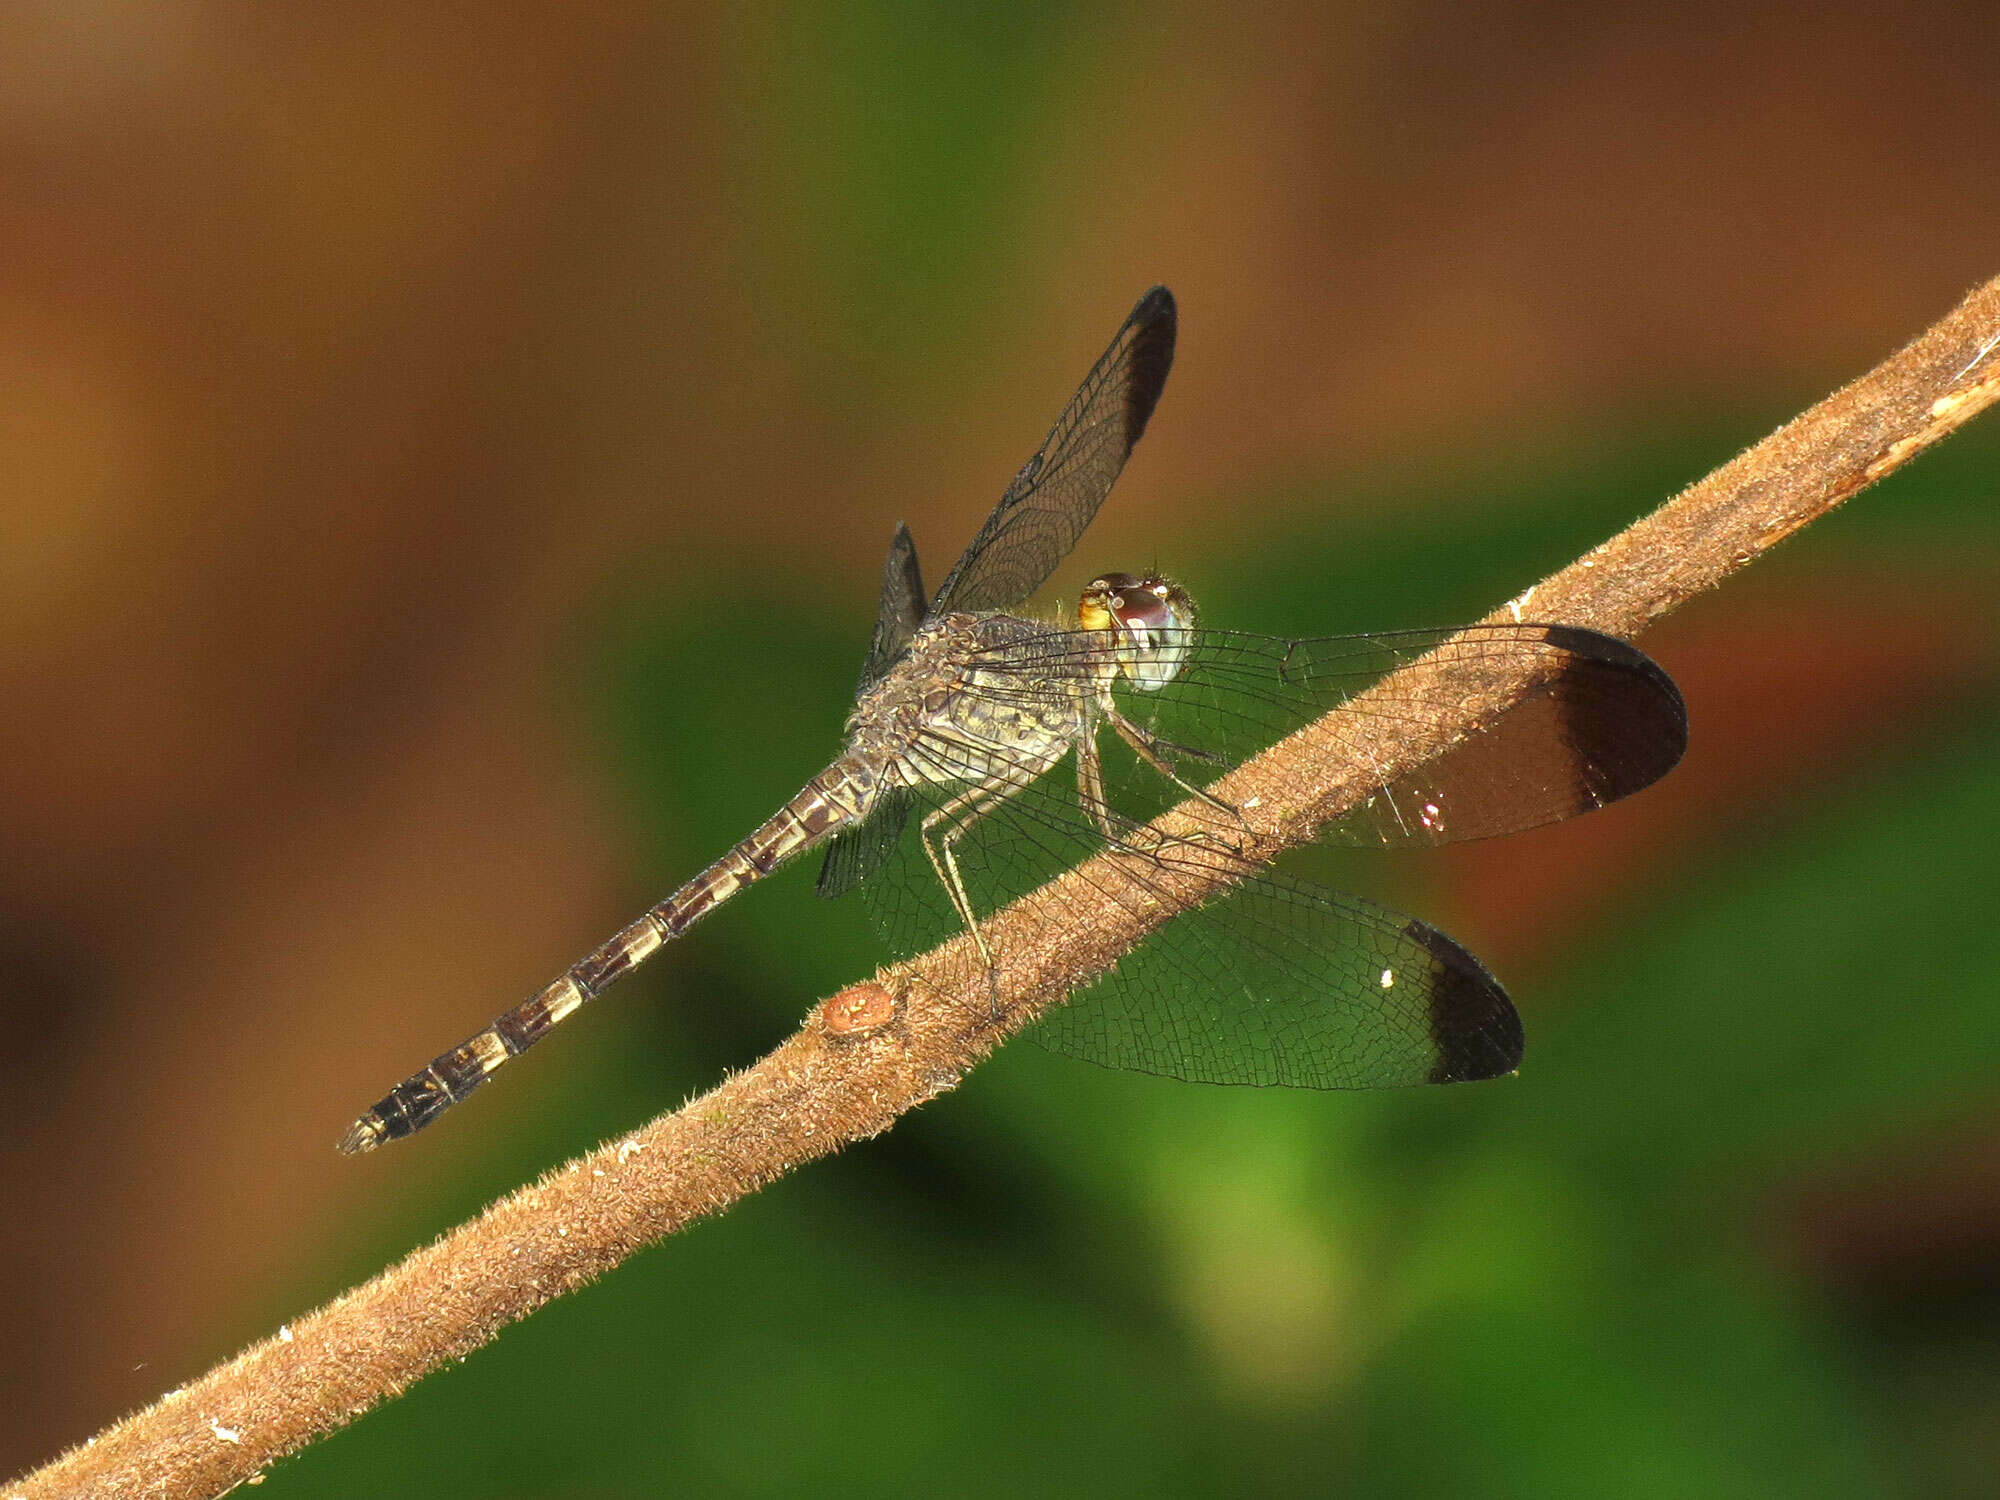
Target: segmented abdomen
[(840, 794)]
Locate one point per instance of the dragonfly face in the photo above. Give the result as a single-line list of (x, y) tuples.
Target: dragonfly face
[(1151, 616)]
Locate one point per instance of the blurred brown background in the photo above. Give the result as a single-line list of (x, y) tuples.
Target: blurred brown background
[(362, 368)]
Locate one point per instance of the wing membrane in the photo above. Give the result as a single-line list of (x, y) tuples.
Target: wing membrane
[(1274, 982), (860, 852), (1057, 492), (1602, 721), (1299, 987)]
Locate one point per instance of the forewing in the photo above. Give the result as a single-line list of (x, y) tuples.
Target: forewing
[(1601, 721), (1057, 492)]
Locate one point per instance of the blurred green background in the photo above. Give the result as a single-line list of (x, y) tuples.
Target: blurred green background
[(445, 460)]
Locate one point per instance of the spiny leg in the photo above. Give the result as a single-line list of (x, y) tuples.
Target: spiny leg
[(1120, 831), (1167, 747), (1147, 747), (1090, 789), (960, 814), (1113, 826)]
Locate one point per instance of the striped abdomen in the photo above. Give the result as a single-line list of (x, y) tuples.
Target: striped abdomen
[(840, 794)]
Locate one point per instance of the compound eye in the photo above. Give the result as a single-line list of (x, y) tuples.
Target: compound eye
[(1105, 605), (1140, 610), (1153, 617)]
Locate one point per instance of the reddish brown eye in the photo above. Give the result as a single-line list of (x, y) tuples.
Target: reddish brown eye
[(1142, 608), (1138, 608)]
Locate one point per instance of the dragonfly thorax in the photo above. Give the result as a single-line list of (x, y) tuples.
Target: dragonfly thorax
[(1150, 618)]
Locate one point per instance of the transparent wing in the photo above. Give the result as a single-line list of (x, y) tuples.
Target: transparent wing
[(1603, 721), (1057, 492), (1278, 981), (1030, 531), (861, 851), (1286, 983)]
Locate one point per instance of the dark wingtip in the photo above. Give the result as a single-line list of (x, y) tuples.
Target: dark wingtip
[(1616, 651), (1640, 730), (1155, 323), (1474, 1027)]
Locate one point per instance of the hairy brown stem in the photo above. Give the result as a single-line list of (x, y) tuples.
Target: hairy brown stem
[(881, 1048)]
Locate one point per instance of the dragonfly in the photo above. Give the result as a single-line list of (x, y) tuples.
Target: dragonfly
[(945, 804)]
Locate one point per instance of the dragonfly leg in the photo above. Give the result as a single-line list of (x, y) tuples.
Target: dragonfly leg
[(1148, 747), (1167, 747), (957, 816), (1090, 790), (1113, 826)]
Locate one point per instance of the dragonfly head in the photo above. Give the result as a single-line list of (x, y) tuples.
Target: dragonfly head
[(1149, 617)]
